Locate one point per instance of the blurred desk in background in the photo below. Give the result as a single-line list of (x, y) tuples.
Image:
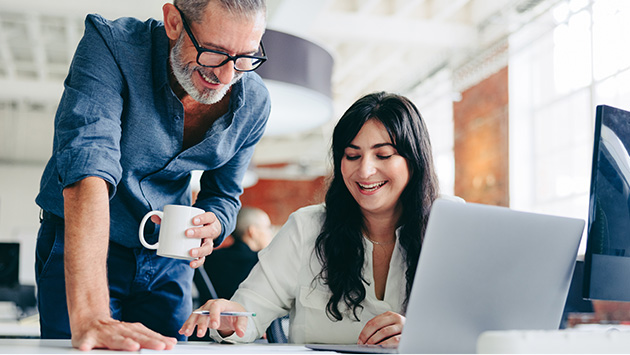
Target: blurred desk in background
[(592, 339), (24, 328)]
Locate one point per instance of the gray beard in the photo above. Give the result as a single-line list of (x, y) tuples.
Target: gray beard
[(183, 74)]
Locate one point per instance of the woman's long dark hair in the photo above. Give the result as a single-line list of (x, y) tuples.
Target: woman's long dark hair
[(339, 246)]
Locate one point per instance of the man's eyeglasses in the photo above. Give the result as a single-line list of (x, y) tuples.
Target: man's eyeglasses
[(213, 59)]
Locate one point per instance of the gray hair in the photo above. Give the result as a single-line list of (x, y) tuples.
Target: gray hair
[(247, 217), (193, 9)]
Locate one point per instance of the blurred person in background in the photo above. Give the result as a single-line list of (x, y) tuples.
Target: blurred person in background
[(228, 267)]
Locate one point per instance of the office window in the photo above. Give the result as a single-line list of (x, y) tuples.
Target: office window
[(434, 98), (561, 66)]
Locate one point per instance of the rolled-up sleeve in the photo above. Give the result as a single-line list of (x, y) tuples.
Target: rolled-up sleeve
[(88, 122)]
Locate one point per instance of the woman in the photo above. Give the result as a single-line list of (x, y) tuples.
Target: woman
[(343, 271)]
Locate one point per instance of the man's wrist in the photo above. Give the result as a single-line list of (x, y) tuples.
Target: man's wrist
[(85, 316)]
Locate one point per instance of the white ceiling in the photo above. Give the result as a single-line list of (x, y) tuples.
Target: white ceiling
[(377, 45)]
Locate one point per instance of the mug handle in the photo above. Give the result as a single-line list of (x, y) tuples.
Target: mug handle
[(141, 230)]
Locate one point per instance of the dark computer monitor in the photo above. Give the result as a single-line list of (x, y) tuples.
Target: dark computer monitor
[(9, 264), (607, 259)]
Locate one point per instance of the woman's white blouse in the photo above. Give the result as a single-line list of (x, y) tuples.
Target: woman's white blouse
[(282, 282)]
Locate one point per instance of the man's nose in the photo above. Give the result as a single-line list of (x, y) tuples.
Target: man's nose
[(225, 73)]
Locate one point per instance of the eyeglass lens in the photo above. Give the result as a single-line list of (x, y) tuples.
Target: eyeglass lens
[(241, 63)]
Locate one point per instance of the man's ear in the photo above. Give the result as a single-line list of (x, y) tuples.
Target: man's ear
[(251, 232), (172, 21)]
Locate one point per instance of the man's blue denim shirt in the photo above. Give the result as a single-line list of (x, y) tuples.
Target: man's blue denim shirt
[(118, 119)]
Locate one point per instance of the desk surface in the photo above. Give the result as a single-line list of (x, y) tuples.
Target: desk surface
[(47, 346)]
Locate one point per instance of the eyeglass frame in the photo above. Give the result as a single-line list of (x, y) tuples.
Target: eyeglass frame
[(233, 58)]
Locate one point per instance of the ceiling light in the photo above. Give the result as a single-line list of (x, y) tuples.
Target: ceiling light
[(298, 75)]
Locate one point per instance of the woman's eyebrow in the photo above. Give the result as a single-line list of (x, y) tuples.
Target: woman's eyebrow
[(379, 145), (375, 146)]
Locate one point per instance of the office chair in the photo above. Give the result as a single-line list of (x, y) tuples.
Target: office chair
[(275, 333), (204, 285)]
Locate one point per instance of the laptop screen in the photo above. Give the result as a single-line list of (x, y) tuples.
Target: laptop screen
[(488, 268)]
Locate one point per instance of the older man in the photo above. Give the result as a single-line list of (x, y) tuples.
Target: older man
[(144, 104)]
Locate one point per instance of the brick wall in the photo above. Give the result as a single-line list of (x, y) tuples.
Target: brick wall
[(279, 198), (481, 142)]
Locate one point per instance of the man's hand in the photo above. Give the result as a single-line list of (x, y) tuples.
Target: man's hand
[(210, 229), (109, 333)]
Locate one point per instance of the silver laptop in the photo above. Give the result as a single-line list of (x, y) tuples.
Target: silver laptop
[(484, 268)]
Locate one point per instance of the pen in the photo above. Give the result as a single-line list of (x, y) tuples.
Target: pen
[(233, 314)]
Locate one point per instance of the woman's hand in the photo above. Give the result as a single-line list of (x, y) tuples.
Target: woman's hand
[(383, 329), (226, 325)]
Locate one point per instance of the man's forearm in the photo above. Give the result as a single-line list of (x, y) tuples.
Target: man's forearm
[(86, 213)]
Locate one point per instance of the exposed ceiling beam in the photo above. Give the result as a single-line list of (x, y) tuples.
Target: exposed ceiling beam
[(295, 17), (79, 8), (5, 55), (342, 70), (33, 26), (451, 9), (367, 28), (367, 6), (349, 65), (359, 85), (408, 6)]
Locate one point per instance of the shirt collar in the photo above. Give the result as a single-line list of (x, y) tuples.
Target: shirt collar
[(160, 54)]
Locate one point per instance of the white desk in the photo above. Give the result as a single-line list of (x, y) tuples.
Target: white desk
[(505, 342), (37, 346)]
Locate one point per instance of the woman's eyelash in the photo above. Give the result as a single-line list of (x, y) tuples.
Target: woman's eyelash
[(355, 157)]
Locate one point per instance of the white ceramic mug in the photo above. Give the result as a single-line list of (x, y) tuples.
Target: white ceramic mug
[(172, 240)]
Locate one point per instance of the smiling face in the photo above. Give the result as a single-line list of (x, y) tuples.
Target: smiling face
[(218, 30), (374, 172)]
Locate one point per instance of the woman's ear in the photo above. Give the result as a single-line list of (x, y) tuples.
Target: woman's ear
[(172, 21)]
